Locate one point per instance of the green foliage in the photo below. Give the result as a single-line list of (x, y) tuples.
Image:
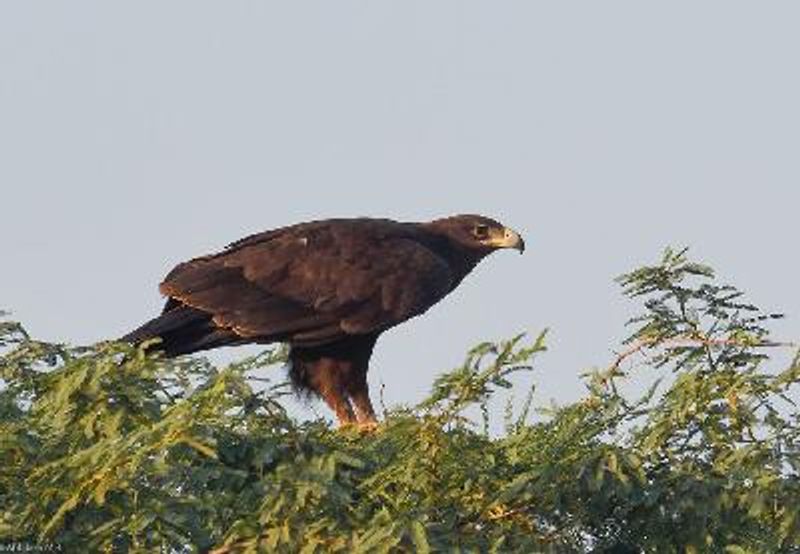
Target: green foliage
[(107, 449)]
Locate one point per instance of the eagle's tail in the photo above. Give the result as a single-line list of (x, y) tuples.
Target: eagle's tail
[(182, 330)]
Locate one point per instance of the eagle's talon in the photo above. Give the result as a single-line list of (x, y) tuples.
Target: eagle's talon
[(367, 427)]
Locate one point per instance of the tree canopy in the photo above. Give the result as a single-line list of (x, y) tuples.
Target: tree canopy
[(107, 448)]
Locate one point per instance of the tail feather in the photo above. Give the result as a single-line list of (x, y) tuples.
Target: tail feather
[(182, 330)]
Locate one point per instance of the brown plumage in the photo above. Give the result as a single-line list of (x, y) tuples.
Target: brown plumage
[(328, 288)]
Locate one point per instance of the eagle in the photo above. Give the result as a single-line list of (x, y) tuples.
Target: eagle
[(328, 288)]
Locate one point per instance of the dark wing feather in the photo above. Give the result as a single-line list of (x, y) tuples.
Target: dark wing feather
[(315, 283)]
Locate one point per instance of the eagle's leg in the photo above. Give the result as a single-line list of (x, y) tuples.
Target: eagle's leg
[(330, 383), (358, 391), (365, 415), (338, 374), (342, 384), (340, 406), (323, 376)]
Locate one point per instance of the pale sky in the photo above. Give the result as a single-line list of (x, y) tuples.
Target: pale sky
[(137, 135)]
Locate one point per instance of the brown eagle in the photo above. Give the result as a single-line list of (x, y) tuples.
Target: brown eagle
[(327, 288)]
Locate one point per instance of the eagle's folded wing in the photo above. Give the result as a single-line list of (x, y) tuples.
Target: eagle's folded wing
[(313, 284)]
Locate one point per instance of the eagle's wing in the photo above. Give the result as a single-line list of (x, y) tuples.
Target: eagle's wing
[(315, 283)]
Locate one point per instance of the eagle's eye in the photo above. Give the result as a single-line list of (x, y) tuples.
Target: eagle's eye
[(481, 231)]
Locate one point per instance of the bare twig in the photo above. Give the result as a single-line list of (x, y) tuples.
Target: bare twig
[(692, 340)]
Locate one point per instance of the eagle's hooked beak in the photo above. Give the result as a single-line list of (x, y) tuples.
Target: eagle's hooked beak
[(508, 239)]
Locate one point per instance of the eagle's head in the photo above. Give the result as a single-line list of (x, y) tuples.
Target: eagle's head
[(478, 233)]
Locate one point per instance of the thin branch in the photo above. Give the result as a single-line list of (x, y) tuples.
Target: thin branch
[(692, 340)]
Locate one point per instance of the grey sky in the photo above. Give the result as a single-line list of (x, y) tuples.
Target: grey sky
[(137, 135)]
